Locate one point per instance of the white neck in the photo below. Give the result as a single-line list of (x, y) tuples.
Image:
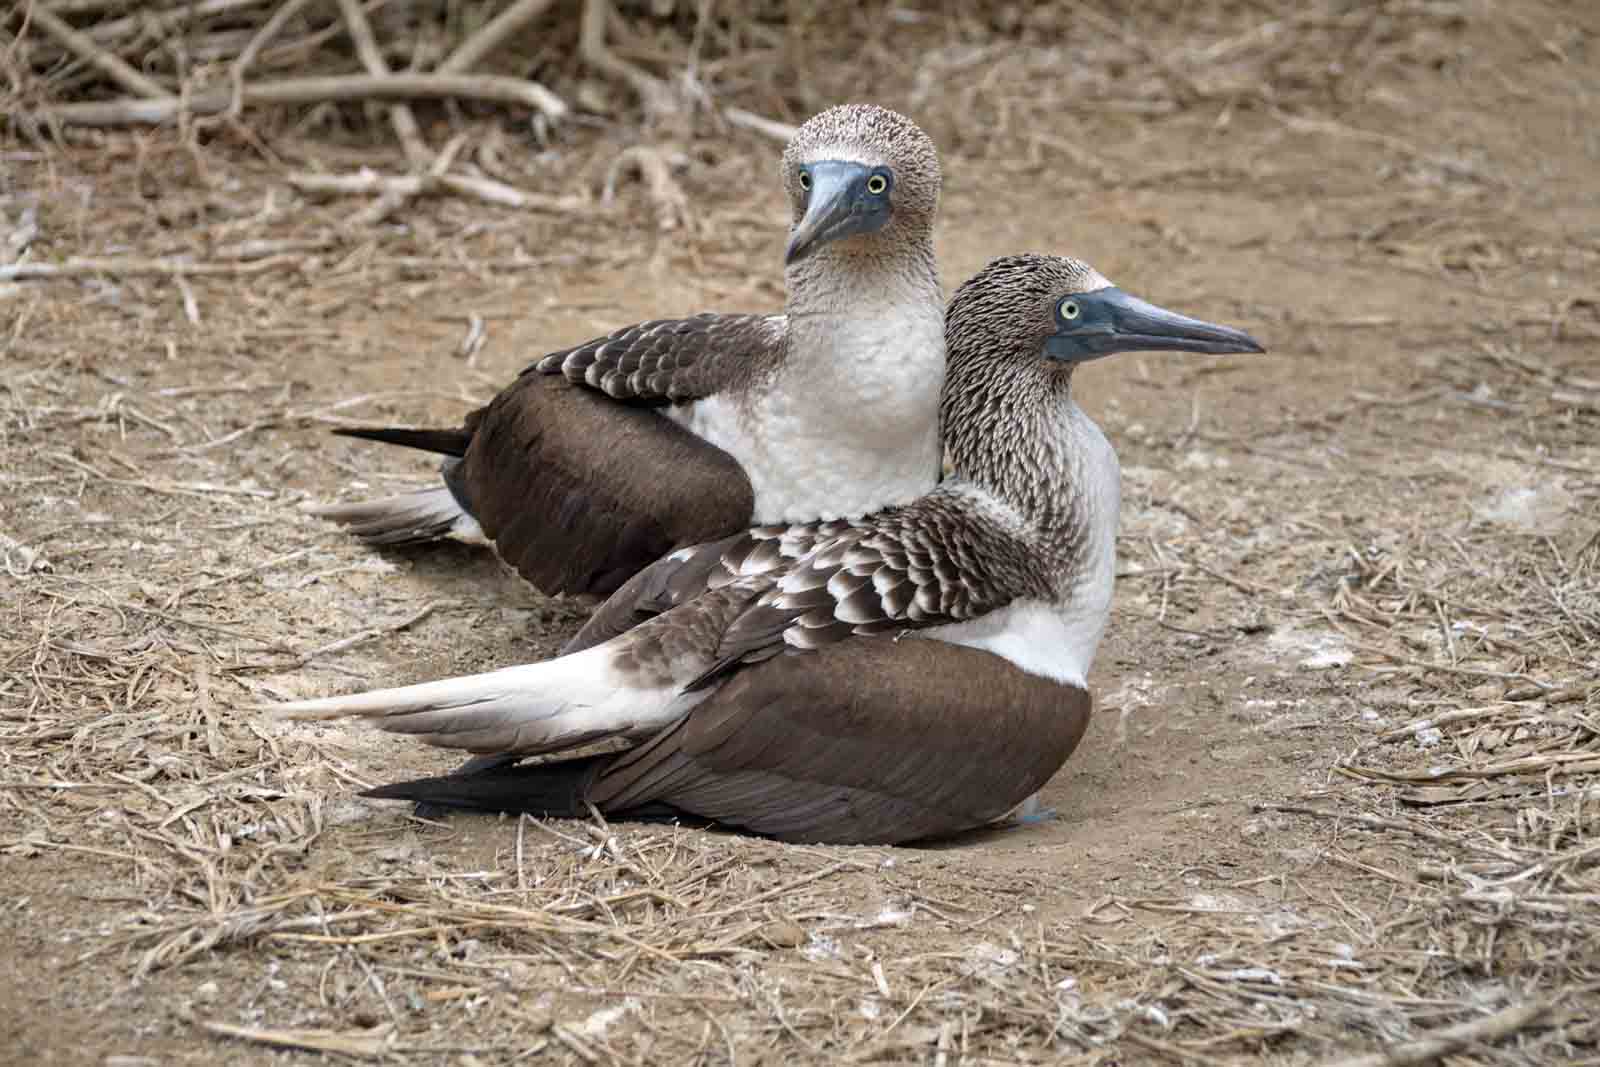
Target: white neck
[(1059, 636), (849, 423), (1083, 598)]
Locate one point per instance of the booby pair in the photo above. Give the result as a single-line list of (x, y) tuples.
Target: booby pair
[(600, 459), (763, 677)]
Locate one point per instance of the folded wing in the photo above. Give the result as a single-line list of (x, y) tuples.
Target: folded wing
[(570, 473), (859, 742)]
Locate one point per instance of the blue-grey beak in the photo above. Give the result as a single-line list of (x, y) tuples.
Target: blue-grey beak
[(1110, 320), (838, 206)]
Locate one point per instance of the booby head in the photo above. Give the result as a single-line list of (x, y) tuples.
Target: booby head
[(859, 172), (1068, 313), (1015, 332)]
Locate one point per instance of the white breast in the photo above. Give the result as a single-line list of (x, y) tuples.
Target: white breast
[(1058, 639), (848, 425), (1037, 637)]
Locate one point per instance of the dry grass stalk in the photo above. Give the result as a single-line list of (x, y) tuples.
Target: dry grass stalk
[(356, 1046), (79, 268)]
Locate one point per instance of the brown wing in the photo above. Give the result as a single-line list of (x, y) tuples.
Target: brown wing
[(667, 361), (669, 581), (686, 573), (577, 486), (871, 742), (946, 558), (579, 492)]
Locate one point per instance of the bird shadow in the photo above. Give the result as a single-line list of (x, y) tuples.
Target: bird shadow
[(1007, 830)]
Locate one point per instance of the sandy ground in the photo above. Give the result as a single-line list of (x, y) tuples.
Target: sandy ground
[(1339, 791)]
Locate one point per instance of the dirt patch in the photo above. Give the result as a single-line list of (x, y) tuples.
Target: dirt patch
[(1340, 788)]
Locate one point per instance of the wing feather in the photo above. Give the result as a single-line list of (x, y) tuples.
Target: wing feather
[(669, 361), (567, 484), (946, 558)]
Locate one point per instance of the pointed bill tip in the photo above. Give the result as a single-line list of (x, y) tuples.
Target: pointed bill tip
[(1248, 344), (798, 248), (826, 220), (837, 206), (1145, 325), (1137, 325)]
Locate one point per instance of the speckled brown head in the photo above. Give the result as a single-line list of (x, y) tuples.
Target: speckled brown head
[(1051, 310), (860, 173), (1014, 332), (1023, 322)]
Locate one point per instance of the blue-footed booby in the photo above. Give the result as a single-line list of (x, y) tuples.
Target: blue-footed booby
[(763, 677), (602, 458)]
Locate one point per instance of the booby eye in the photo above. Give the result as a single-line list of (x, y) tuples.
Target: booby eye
[(877, 185), (1069, 309), (805, 180)]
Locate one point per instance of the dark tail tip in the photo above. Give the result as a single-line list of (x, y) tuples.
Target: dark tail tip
[(555, 790), (444, 442)]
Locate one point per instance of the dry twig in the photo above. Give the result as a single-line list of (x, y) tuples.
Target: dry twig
[(484, 189), (485, 87), (491, 35), (400, 116), (86, 48), (652, 165), (1501, 1024), (652, 92)]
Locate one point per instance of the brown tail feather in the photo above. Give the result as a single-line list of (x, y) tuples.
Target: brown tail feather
[(548, 790), (408, 518)]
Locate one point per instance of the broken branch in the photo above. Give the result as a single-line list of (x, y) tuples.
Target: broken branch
[(400, 116), (368, 182), (490, 36), (486, 87), (85, 48)]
